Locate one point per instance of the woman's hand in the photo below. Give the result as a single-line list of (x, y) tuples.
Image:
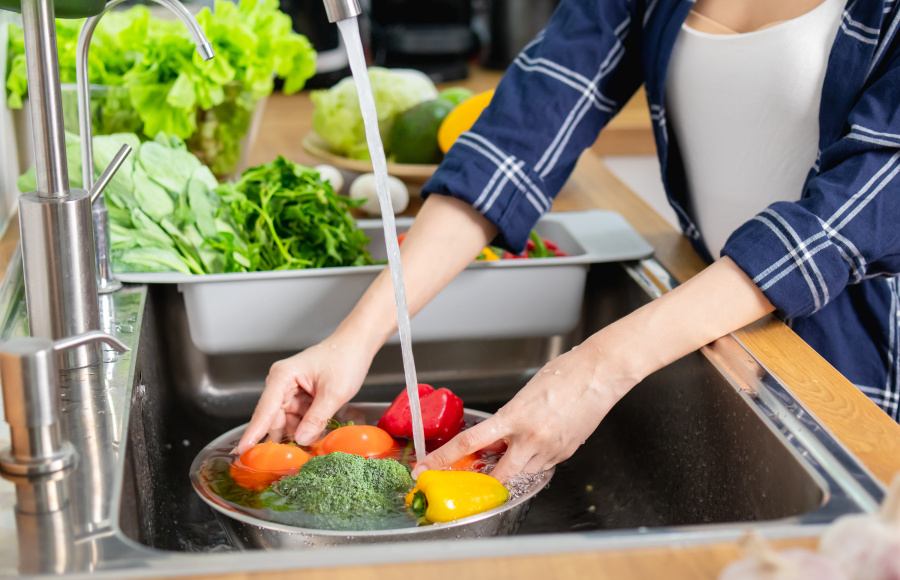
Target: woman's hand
[(304, 391), (562, 405), (547, 420)]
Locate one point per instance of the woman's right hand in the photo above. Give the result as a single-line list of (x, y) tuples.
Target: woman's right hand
[(304, 391)]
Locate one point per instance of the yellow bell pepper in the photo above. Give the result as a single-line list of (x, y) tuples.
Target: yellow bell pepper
[(488, 255), (444, 496)]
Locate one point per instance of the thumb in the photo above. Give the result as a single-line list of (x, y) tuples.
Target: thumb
[(323, 408)]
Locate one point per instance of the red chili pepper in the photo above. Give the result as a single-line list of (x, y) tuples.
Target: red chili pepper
[(529, 246), (551, 245), (559, 253), (510, 256), (442, 414), (400, 238)]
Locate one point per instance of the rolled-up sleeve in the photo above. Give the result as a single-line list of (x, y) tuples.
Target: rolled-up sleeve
[(846, 228), (550, 105)]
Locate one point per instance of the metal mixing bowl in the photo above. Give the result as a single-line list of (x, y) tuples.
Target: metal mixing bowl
[(248, 532)]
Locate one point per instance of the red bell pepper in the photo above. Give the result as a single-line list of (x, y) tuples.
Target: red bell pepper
[(442, 414)]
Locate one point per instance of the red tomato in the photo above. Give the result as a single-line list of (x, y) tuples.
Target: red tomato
[(261, 465), (365, 440)]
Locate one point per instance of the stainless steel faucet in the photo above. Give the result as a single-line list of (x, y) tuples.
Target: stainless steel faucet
[(341, 9), (106, 281), (54, 221)]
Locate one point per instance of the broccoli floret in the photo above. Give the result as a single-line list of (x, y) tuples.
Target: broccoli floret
[(344, 485)]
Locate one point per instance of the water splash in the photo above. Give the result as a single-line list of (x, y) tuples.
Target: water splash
[(349, 29)]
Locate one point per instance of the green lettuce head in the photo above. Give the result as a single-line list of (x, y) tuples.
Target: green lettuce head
[(338, 120)]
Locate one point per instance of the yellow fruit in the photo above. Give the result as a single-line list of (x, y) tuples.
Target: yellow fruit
[(461, 119)]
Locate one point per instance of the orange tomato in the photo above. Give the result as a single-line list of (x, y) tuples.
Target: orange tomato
[(261, 465), (365, 440), (467, 463), (316, 448)]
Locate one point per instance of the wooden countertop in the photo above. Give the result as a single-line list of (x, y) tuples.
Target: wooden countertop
[(866, 431)]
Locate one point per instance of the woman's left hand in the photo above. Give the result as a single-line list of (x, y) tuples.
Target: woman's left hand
[(562, 405), (547, 420)]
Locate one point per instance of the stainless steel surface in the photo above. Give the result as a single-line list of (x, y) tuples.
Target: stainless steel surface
[(29, 374), (60, 279), (47, 132), (54, 221), (341, 9), (106, 280), (694, 454), (108, 173), (248, 532)]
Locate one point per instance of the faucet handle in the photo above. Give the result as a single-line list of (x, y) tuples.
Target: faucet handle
[(109, 172), (89, 337), (29, 377)]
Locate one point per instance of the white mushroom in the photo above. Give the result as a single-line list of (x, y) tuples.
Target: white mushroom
[(332, 175), (363, 187)]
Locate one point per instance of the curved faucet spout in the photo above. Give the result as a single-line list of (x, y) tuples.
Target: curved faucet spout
[(106, 282), (204, 49)]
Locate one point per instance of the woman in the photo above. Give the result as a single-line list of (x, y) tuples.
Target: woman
[(782, 118)]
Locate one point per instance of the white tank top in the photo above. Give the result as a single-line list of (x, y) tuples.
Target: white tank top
[(745, 111)]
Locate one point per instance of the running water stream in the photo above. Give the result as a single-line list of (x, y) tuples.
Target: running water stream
[(349, 28)]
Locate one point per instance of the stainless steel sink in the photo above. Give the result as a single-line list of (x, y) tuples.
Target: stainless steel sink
[(692, 454)]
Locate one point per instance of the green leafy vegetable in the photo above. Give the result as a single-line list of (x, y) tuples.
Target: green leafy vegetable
[(337, 117), (294, 218), (168, 213), (160, 84)]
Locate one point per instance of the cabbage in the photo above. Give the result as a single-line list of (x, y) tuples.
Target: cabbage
[(338, 120)]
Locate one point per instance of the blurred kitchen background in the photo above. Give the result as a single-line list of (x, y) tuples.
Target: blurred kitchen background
[(443, 38)]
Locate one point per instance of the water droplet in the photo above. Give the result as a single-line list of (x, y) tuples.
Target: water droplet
[(556, 372), (185, 442)]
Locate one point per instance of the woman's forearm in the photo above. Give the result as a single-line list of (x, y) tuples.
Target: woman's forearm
[(445, 237), (717, 301)]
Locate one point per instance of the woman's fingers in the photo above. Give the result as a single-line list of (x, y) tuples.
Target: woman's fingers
[(323, 408), (269, 405), (513, 462), (468, 441), (276, 427)]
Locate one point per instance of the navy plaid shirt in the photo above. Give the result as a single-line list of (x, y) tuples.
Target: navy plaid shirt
[(828, 262)]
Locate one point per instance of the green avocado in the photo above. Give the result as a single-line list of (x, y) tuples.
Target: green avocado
[(456, 95), (414, 133)]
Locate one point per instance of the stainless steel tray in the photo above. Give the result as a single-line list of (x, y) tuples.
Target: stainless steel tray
[(248, 532), (289, 310)]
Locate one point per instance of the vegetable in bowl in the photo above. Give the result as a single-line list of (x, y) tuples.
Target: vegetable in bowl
[(339, 487), (167, 86)]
